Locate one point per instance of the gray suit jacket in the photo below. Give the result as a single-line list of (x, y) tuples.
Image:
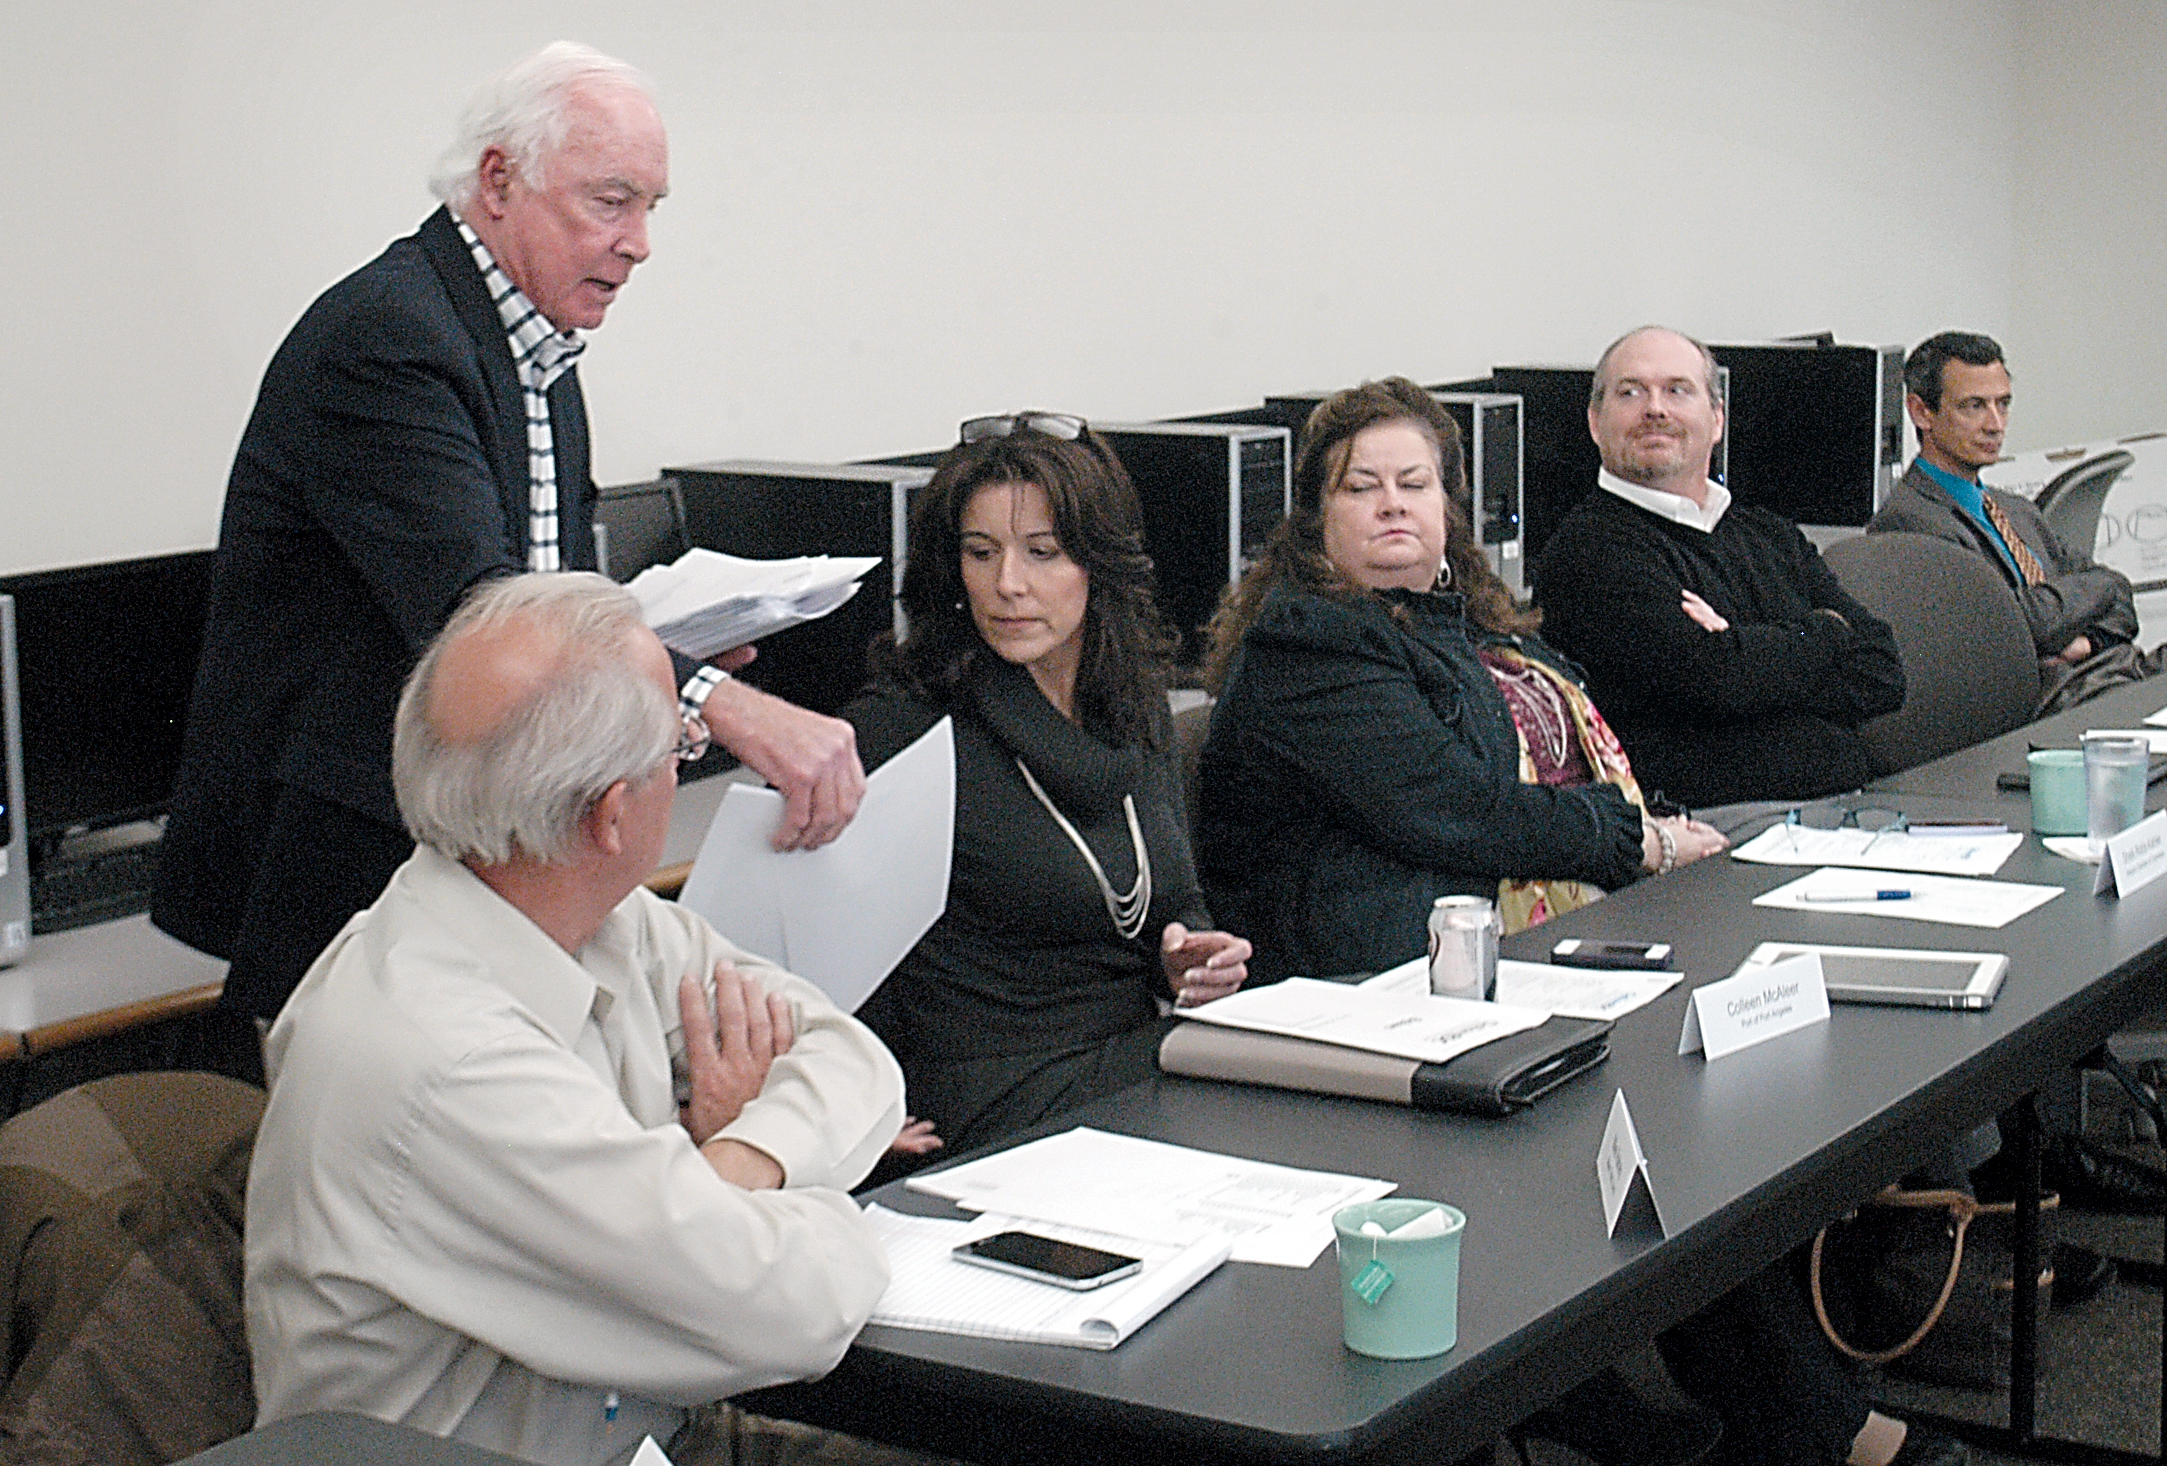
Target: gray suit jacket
[(2078, 598)]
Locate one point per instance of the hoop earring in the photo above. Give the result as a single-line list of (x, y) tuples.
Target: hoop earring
[(1444, 576)]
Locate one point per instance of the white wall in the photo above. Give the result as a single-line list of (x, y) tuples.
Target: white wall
[(885, 218), (2089, 312)]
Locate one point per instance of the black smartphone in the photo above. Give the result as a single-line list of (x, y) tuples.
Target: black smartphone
[(1046, 1260), (1621, 956)]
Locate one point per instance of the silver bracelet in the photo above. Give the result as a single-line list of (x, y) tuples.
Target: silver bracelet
[(1669, 842)]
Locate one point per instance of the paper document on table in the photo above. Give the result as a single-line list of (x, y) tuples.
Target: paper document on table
[(2156, 737), (1411, 976), (1407, 1025), (1579, 992), (928, 1289), (704, 602), (844, 915), (1568, 992), (1948, 855), (2156, 720), (1924, 898), (1156, 1192)]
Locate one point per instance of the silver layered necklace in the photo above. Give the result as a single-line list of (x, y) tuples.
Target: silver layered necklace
[(1127, 911)]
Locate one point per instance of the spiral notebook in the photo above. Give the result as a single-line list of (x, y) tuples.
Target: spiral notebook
[(929, 1290)]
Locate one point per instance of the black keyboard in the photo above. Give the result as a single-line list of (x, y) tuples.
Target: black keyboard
[(66, 893)]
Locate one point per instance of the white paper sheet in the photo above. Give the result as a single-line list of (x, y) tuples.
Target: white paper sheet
[(2156, 737), (844, 915), (705, 602), (1579, 992), (1409, 977), (1570, 992), (1933, 898), (928, 1289), (2156, 719), (1948, 855), (1156, 1192), (1408, 1025)]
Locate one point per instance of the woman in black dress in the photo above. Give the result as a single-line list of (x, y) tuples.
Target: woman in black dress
[(1074, 917)]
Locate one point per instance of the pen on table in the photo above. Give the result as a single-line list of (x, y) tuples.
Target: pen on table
[(1882, 895)]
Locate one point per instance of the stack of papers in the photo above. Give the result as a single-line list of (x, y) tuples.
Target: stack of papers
[(1151, 1192), (929, 1290), (704, 603)]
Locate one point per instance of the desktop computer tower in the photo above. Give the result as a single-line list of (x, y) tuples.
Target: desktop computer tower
[(1816, 429), (14, 830), (1211, 495), (1491, 453), (768, 510), (1559, 459), (637, 526)]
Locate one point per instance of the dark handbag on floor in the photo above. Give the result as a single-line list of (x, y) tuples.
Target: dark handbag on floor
[(1922, 1282)]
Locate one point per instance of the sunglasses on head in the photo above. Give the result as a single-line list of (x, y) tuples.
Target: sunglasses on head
[(1065, 426)]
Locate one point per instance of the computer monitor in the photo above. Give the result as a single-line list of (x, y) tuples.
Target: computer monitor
[(14, 835), (767, 510), (106, 655)]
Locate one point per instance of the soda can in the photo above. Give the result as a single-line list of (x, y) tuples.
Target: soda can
[(1464, 932)]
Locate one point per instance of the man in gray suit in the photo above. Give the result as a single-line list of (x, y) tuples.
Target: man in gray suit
[(1956, 390)]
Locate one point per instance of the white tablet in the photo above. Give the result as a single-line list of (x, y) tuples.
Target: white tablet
[(1900, 975)]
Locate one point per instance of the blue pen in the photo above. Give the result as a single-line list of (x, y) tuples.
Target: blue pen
[(1854, 896)]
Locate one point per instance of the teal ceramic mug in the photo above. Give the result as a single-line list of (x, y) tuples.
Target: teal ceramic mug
[(2058, 793), (1400, 1295)]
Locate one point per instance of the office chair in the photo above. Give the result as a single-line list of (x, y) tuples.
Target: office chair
[(2073, 498), (1192, 725), (120, 1270), (1970, 672)]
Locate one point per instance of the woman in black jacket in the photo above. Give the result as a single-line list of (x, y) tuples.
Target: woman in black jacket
[(1390, 729), (1073, 909)]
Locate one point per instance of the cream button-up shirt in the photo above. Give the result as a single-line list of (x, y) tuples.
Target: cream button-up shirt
[(473, 1210)]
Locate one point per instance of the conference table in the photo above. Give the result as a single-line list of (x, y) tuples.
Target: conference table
[(1749, 1156)]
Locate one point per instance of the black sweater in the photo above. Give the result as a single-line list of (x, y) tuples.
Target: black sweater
[(1025, 963), (1769, 709)]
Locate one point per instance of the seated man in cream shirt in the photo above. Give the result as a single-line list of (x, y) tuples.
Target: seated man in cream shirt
[(547, 1161)]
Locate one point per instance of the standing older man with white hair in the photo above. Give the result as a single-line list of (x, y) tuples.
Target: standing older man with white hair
[(422, 429), (547, 1161)]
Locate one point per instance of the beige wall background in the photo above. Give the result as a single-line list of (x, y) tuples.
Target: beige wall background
[(885, 218)]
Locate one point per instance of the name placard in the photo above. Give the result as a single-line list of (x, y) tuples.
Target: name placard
[(1754, 1005), (1621, 1170), (2135, 858)]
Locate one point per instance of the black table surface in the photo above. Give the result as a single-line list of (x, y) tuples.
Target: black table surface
[(1749, 1155)]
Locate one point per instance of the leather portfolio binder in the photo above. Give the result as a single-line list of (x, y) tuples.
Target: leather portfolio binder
[(1505, 1075)]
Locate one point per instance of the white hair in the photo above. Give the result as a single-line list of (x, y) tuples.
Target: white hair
[(526, 112), (525, 787)]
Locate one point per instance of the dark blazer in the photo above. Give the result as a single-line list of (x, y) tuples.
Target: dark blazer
[(383, 472), (2078, 597), (1359, 767)]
